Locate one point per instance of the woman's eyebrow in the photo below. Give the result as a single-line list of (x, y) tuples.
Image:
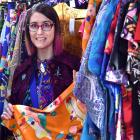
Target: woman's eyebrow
[(41, 22)]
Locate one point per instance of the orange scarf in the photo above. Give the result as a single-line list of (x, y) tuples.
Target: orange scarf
[(62, 120)]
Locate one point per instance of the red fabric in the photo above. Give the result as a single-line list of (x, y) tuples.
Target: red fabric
[(137, 33), (110, 39), (127, 112)]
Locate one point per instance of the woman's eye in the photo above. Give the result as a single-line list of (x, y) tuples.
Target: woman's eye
[(33, 25), (46, 25)]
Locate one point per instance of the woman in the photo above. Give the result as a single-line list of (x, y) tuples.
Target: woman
[(48, 70)]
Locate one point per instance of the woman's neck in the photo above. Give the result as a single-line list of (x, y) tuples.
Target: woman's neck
[(45, 53)]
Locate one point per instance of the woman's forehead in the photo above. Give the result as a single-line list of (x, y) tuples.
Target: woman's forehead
[(38, 17)]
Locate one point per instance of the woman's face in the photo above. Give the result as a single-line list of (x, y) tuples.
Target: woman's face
[(41, 30)]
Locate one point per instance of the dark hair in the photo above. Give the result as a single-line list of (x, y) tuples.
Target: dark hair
[(50, 13)]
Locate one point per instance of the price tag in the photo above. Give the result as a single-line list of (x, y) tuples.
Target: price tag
[(72, 3)]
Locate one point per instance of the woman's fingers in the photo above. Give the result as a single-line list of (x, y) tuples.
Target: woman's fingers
[(6, 116), (10, 107), (8, 112)]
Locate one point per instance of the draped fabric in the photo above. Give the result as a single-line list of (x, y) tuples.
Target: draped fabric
[(5, 41), (104, 17), (14, 59), (62, 119), (88, 89), (89, 21)]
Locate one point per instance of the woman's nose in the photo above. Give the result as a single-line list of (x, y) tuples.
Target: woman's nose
[(39, 31)]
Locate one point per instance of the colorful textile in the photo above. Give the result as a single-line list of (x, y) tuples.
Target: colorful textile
[(106, 13), (62, 119), (120, 134), (5, 41), (129, 28), (127, 112), (89, 21), (136, 110), (137, 36), (130, 23), (86, 134), (119, 51), (110, 39), (89, 90), (1, 17), (115, 71), (6, 38), (109, 45), (14, 58), (134, 69), (116, 76), (44, 84), (61, 68)]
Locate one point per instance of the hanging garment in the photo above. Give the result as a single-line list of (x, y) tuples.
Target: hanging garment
[(120, 47), (16, 49), (1, 17), (5, 41), (137, 36), (111, 35), (71, 40), (79, 4), (130, 23), (115, 71), (89, 21), (89, 90), (106, 13), (109, 45), (127, 112), (136, 110), (62, 119), (89, 135)]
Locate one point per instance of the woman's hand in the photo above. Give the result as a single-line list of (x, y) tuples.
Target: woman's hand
[(8, 112)]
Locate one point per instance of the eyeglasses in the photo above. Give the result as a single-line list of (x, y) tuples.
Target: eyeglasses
[(46, 26)]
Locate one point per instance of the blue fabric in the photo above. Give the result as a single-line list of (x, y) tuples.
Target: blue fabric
[(1, 104), (6, 42), (89, 90), (44, 84), (104, 18), (85, 133), (104, 66), (33, 94), (111, 111)]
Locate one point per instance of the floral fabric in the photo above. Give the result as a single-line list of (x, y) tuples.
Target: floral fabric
[(62, 119)]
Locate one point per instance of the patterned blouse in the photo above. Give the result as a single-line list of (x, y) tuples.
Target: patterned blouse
[(44, 86)]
